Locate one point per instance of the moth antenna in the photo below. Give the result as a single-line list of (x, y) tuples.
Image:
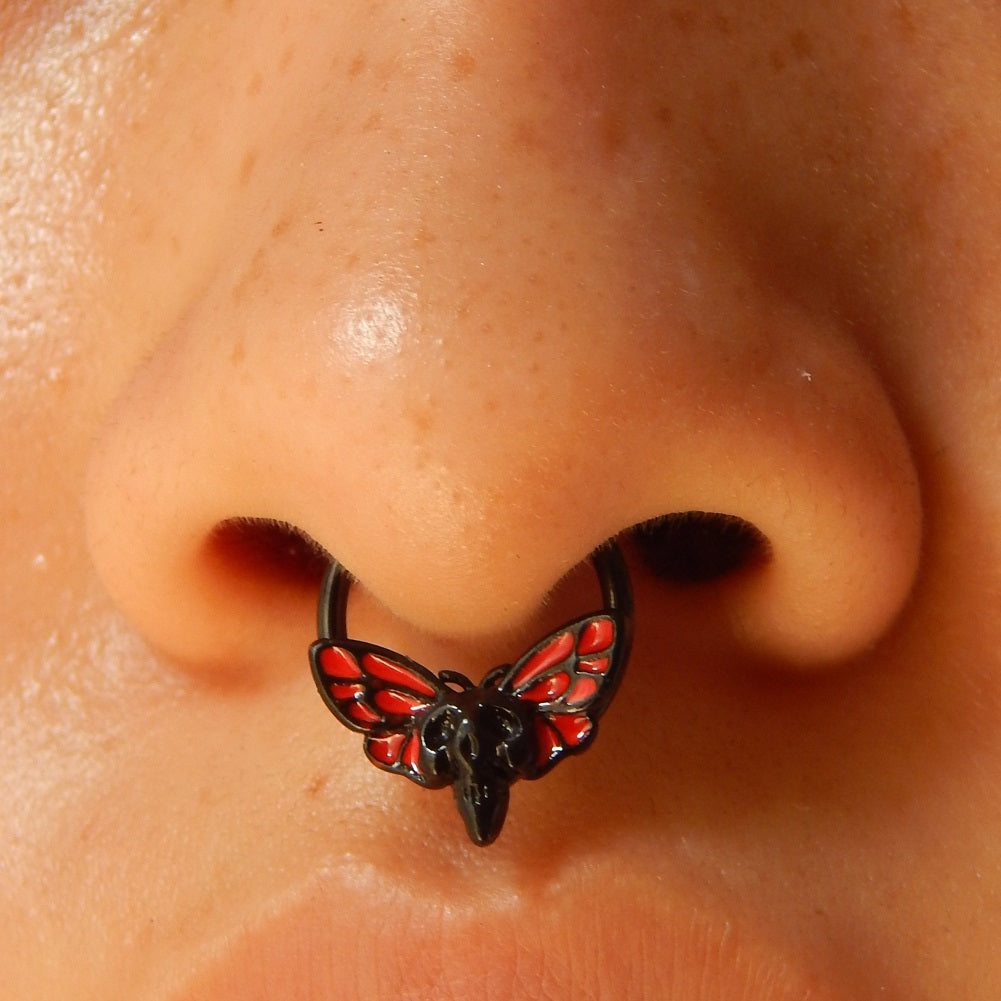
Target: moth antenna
[(493, 676), (455, 678)]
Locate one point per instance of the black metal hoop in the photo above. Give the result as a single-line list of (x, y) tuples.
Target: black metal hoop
[(331, 617)]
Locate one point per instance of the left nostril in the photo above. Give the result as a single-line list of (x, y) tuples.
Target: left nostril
[(692, 547), (265, 548)]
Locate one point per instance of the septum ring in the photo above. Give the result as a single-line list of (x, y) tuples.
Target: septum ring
[(517, 723)]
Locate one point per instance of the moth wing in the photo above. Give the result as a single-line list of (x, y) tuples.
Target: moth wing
[(569, 677), (381, 694)]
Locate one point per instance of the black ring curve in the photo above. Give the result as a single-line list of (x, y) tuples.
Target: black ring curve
[(607, 560)]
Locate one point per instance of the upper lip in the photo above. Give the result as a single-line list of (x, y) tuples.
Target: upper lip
[(489, 932)]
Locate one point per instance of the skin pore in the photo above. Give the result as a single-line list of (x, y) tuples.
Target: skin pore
[(459, 291)]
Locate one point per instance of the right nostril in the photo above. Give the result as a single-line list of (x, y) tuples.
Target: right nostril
[(264, 548), (693, 547)]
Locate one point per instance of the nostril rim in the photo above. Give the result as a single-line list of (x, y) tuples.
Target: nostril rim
[(693, 547), (264, 547)]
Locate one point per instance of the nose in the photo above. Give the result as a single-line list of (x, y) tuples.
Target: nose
[(480, 314)]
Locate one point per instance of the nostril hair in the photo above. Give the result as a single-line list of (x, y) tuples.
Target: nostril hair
[(264, 547), (693, 547)]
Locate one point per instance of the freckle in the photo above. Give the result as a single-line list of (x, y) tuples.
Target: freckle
[(905, 19), (239, 353), (523, 135), (663, 114), (247, 167), (722, 24), (423, 421), (801, 44), (286, 59), (357, 65), (373, 122), (683, 18), (281, 227), (351, 262), (254, 275), (145, 231), (255, 85), (317, 786), (613, 134), (463, 65), (424, 237), (309, 389)]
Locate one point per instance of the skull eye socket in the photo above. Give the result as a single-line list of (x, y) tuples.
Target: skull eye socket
[(439, 729), (508, 726), (509, 739)]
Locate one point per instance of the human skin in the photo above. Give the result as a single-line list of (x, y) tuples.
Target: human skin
[(461, 290)]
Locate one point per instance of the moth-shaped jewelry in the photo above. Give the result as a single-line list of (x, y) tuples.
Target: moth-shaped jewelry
[(443, 729)]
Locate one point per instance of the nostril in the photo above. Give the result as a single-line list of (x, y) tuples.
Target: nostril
[(692, 547), (262, 548)]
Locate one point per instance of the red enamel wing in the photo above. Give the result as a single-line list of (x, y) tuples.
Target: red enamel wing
[(443, 729)]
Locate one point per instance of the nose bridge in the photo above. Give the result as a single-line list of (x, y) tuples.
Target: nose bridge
[(513, 211), (447, 287), (518, 139), (567, 83)]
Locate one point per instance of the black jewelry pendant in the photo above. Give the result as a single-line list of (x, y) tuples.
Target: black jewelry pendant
[(443, 729)]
